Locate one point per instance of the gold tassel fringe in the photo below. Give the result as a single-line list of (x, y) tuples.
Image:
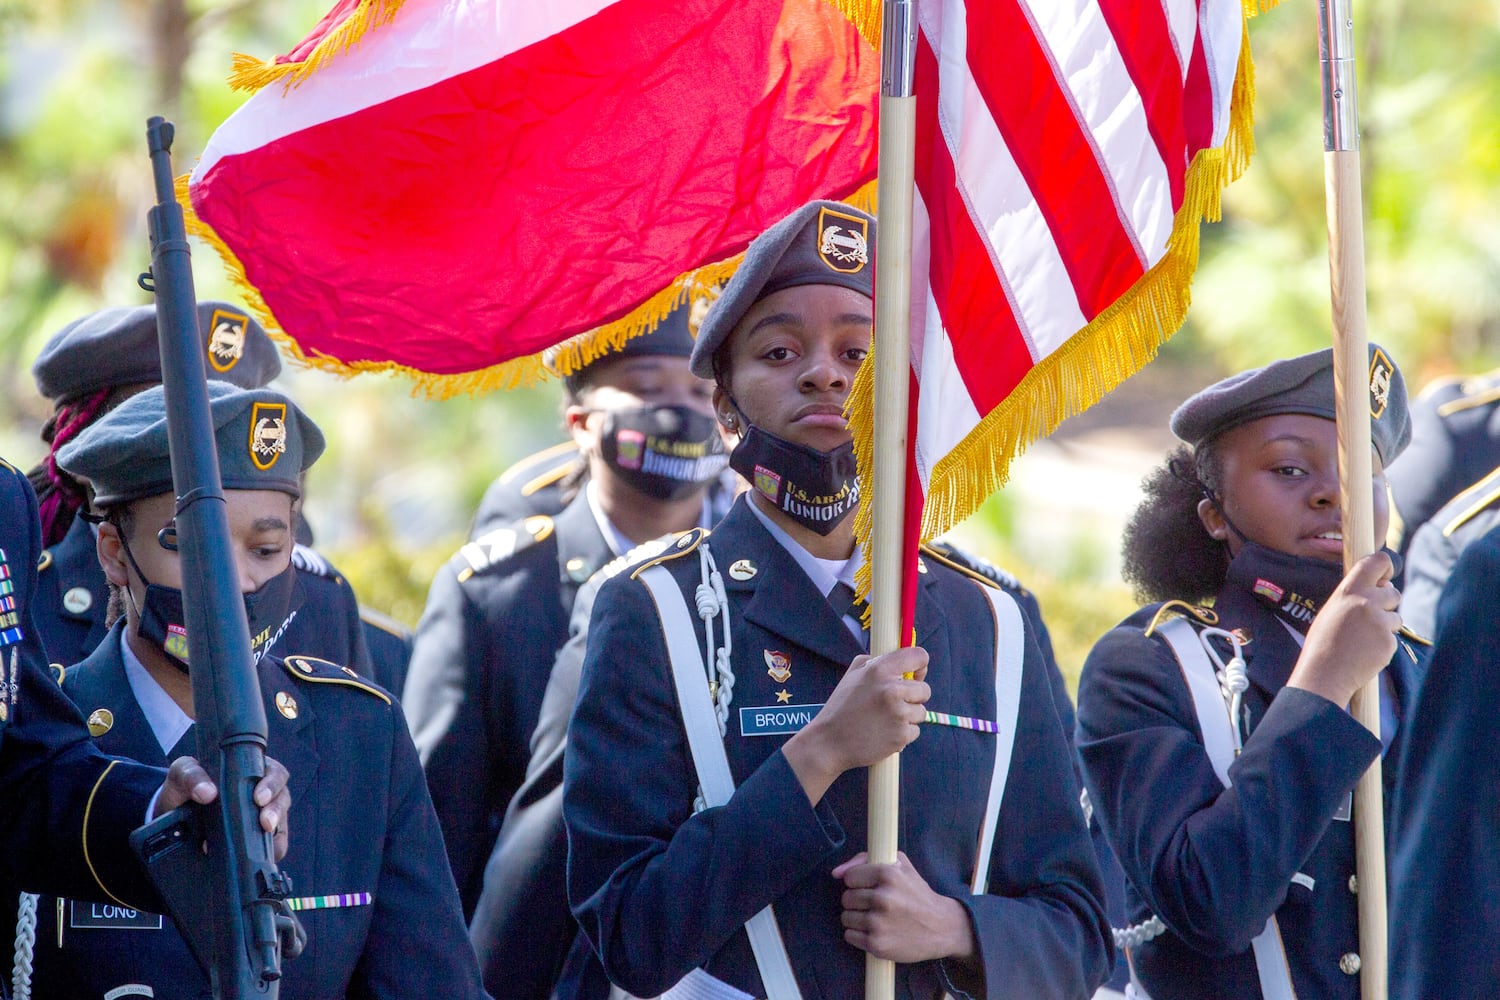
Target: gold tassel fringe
[(1119, 342), (865, 15), (249, 73)]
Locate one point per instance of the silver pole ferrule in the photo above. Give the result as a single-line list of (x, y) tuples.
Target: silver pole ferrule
[(1336, 54), (898, 34)]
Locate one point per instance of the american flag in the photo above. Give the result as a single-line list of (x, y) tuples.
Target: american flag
[(1066, 152)]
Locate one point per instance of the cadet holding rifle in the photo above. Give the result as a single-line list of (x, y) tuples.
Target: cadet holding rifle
[(68, 806), (370, 876)]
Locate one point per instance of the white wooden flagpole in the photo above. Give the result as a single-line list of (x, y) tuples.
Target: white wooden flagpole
[(897, 138), (1351, 370)]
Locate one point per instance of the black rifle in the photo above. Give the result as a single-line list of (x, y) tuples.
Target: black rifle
[(213, 865)]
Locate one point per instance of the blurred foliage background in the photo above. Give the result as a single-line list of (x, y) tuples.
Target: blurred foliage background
[(78, 78)]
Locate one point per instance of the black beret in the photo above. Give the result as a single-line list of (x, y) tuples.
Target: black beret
[(1298, 385), (672, 337), (821, 243), (118, 346), (264, 443)]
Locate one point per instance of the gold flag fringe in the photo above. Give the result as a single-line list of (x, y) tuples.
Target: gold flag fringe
[(699, 285), (865, 15), (250, 73), (1115, 345)]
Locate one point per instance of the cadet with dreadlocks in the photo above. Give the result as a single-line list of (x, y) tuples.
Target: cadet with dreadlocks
[(1215, 743), (88, 368)]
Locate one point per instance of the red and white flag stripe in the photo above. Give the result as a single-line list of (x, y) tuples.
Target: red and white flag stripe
[(1057, 147)]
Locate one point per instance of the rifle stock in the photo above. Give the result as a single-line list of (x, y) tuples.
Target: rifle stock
[(213, 865)]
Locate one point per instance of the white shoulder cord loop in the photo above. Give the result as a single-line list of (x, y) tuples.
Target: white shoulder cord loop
[(1233, 681), (25, 946), (712, 600)]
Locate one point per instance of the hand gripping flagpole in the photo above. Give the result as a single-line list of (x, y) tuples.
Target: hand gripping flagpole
[(1351, 369), (897, 138)]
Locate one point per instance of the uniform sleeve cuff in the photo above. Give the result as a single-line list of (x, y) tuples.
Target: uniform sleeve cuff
[(123, 794)]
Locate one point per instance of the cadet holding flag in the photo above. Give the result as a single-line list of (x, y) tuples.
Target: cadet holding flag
[(716, 812), (374, 890), (1216, 743)]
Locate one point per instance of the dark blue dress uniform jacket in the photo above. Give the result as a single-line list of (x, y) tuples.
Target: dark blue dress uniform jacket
[(326, 625), (1215, 864), (361, 822), (67, 808), (1455, 442), (1436, 546), (1445, 817), (659, 890), (495, 618), (522, 929)]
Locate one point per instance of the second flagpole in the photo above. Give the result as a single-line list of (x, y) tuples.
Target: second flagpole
[(1351, 373)]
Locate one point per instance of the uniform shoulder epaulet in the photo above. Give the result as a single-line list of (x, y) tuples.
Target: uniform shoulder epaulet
[(44, 563), (384, 622), (546, 479), (1476, 391), (527, 466), (309, 560), (687, 542), (1194, 613), (972, 566), (1407, 633), (494, 547), (311, 670), (642, 552), (1471, 501)]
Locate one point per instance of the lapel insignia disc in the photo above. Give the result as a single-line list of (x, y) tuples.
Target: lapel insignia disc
[(778, 665), (742, 569), (286, 704), (77, 600), (101, 721)]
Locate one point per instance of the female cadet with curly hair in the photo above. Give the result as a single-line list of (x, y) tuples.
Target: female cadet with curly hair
[(1215, 744)]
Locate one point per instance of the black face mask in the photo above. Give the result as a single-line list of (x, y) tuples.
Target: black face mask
[(817, 489), (268, 611), (1294, 587), (665, 452)]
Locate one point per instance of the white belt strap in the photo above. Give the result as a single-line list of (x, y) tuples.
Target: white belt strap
[(1010, 654), (711, 761), (1218, 740)]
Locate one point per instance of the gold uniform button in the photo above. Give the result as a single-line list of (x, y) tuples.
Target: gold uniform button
[(1349, 964)]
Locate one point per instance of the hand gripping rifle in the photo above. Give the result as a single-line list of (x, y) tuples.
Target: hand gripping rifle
[(213, 865)]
